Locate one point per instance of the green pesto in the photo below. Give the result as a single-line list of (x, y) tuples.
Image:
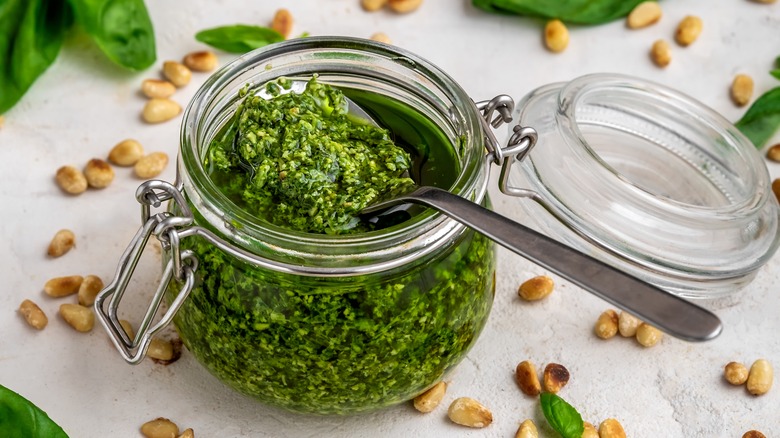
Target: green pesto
[(336, 345), (301, 162)]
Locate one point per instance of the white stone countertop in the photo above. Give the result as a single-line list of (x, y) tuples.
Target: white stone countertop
[(83, 105)]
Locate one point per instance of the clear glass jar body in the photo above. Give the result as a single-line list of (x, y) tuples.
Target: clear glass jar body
[(362, 321), (650, 181)]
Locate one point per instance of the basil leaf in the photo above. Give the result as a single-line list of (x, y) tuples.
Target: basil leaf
[(571, 11), (21, 419), (122, 29), (561, 416), (239, 38), (762, 119), (31, 35)]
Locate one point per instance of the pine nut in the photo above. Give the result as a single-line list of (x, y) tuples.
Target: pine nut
[(607, 324), (99, 174), (201, 61), (735, 373), (661, 53), (627, 324), (753, 433), (177, 73), (647, 335), (77, 316), (611, 428), (556, 36), (89, 289), (382, 38), (282, 22), (373, 5), (527, 378), (71, 180), (126, 153), (741, 89), (160, 350), (188, 433), (157, 88), (644, 14), (589, 431), (773, 153), (430, 399), (33, 315), (760, 377), (536, 288), (555, 377), (63, 286), (160, 110), (128, 328), (62, 242), (527, 429), (776, 188), (151, 165), (160, 428), (404, 6), (688, 30), (470, 413)]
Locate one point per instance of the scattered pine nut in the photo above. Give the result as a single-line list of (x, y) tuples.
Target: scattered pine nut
[(555, 377), (62, 242), (89, 289), (77, 316), (63, 286), (773, 153), (760, 377), (373, 5), (33, 315), (201, 61), (430, 399), (589, 431), (470, 413), (382, 38), (611, 428), (160, 428), (404, 6), (99, 174), (556, 36), (160, 110), (607, 325), (71, 180), (527, 429), (126, 153), (661, 53), (644, 14), (282, 22), (527, 378), (627, 324), (741, 89), (536, 288), (647, 335), (151, 165), (688, 30), (157, 88), (160, 350), (753, 433), (177, 73), (735, 373), (128, 328), (188, 433)]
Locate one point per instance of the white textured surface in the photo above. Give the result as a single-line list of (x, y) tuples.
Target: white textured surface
[(83, 105)]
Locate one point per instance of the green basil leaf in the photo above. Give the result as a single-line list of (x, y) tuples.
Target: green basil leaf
[(775, 73), (21, 419), (31, 35), (561, 416), (122, 29), (762, 119), (571, 11), (239, 38)]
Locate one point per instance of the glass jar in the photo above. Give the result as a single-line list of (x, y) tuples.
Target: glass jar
[(650, 181)]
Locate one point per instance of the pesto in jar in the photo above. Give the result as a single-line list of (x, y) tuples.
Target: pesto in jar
[(340, 344)]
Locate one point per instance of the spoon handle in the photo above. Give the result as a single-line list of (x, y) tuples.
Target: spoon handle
[(657, 307)]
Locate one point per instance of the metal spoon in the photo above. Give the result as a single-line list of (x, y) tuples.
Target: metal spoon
[(649, 303)]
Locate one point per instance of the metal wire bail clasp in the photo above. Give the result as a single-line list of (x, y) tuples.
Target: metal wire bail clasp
[(181, 267), (520, 143)]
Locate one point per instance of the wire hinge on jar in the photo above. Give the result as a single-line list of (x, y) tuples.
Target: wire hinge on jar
[(496, 112)]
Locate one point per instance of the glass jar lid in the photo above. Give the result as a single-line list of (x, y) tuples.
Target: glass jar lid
[(649, 180)]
